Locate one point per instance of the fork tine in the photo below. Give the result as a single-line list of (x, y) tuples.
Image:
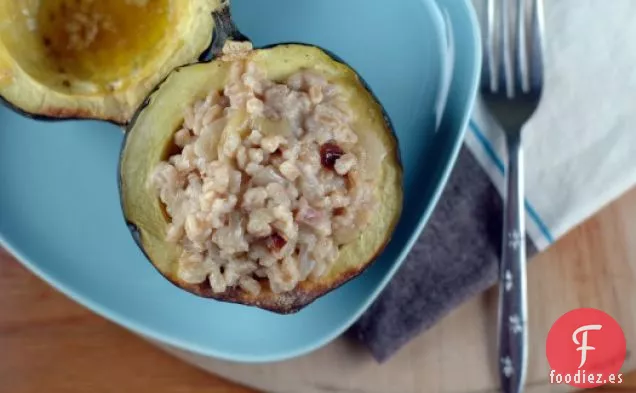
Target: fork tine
[(521, 69), (536, 46), (505, 45), (489, 71)]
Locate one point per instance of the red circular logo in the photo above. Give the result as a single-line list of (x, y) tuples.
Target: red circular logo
[(586, 348)]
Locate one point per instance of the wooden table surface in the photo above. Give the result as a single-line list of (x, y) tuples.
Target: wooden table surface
[(50, 344)]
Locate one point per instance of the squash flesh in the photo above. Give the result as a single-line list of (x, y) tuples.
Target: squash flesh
[(101, 41), (138, 43)]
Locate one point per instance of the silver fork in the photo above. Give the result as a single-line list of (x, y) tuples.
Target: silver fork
[(511, 86)]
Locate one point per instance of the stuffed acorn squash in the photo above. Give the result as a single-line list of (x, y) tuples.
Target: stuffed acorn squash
[(95, 59), (265, 177)]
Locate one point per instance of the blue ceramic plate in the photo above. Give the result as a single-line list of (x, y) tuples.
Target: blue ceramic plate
[(59, 207)]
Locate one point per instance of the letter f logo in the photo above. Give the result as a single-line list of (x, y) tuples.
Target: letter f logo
[(583, 344)]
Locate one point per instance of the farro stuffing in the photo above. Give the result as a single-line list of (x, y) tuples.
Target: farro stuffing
[(265, 207)]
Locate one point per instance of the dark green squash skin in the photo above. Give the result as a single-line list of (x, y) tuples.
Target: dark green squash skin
[(226, 30)]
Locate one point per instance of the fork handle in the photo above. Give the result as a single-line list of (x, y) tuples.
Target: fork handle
[(512, 321)]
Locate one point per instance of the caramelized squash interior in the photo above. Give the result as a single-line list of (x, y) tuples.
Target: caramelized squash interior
[(68, 44)]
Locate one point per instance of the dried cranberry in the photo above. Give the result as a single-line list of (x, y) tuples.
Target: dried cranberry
[(339, 211), (329, 154), (276, 242)]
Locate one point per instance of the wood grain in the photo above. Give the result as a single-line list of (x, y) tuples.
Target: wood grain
[(49, 343)]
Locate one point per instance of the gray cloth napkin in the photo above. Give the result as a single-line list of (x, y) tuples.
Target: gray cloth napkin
[(454, 259)]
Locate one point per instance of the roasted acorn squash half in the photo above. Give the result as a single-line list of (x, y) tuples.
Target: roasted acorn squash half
[(95, 59), (151, 140)]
